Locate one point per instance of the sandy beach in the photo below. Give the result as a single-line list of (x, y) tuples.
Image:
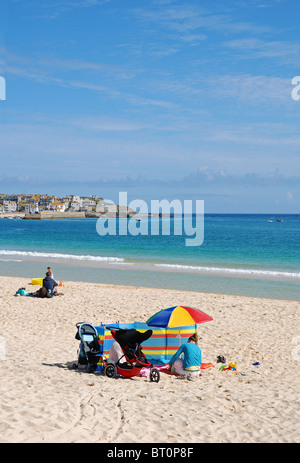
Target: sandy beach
[(44, 400)]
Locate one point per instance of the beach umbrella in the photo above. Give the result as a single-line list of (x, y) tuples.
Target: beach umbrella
[(178, 316)]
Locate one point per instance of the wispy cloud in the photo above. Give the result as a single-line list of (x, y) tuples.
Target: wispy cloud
[(101, 78), (69, 65), (287, 52), (202, 177), (186, 19), (51, 9), (207, 176), (254, 88), (193, 39), (50, 64), (166, 51), (238, 88)]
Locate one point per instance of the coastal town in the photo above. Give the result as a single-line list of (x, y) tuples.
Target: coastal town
[(38, 206)]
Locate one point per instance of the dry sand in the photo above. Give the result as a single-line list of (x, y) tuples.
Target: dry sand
[(43, 400)]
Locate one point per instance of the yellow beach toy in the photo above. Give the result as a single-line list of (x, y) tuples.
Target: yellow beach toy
[(231, 366), (37, 281)]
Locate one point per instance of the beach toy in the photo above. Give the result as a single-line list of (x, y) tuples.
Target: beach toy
[(37, 281), (61, 283), (256, 363), (224, 367), (231, 366)]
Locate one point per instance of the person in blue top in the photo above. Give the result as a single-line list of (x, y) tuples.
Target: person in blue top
[(190, 365), (50, 285)]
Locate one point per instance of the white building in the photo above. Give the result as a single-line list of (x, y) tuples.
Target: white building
[(105, 206), (9, 206), (76, 206), (57, 207), (66, 202), (77, 199), (31, 208), (86, 202)]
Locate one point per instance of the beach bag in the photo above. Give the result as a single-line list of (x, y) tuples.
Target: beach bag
[(22, 292)]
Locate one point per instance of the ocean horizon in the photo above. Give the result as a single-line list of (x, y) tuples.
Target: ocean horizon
[(242, 254)]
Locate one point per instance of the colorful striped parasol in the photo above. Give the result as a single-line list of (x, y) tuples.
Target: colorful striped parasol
[(178, 316)]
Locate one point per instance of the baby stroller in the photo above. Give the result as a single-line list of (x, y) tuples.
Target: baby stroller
[(90, 351), (133, 359)]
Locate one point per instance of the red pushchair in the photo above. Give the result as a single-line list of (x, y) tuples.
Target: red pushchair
[(133, 359)]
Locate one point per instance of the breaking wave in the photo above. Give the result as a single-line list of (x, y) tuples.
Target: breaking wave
[(61, 256), (238, 271)]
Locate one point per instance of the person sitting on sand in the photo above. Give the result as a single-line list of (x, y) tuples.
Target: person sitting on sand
[(190, 364), (50, 285)]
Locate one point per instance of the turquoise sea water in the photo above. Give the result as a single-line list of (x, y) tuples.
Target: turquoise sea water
[(241, 254)]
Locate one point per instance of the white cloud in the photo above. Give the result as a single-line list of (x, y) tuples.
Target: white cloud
[(287, 52), (53, 9), (43, 75), (254, 88), (244, 88), (193, 39), (187, 18)]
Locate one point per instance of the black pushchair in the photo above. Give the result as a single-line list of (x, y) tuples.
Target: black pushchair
[(89, 351), (133, 359)]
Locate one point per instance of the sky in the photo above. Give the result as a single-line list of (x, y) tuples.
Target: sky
[(163, 99)]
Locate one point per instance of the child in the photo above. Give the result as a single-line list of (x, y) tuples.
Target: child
[(50, 271), (190, 364)]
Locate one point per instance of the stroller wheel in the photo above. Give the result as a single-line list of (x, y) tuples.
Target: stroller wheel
[(154, 375), (110, 370)]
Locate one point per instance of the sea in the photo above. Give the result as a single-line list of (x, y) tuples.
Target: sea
[(252, 255)]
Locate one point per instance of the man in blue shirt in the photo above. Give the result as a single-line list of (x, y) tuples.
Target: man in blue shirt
[(50, 285), (190, 364)]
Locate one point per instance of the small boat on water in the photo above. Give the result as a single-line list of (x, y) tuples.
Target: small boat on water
[(279, 220)]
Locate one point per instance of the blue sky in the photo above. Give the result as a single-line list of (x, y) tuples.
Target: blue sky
[(164, 99)]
